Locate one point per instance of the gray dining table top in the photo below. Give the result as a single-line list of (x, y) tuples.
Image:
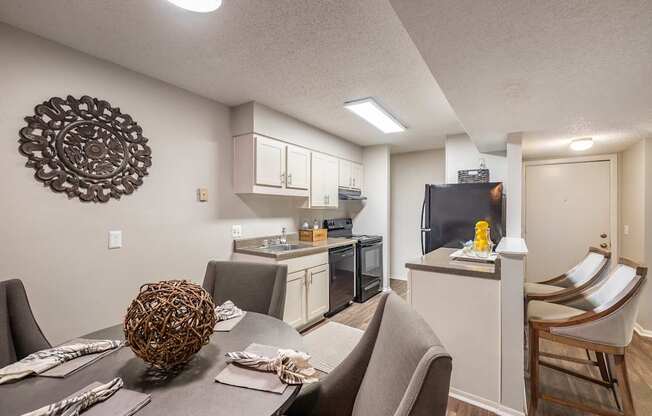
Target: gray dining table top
[(192, 391)]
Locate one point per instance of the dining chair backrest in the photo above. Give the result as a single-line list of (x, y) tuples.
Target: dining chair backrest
[(20, 334), (592, 263), (409, 369), (253, 287), (616, 302)]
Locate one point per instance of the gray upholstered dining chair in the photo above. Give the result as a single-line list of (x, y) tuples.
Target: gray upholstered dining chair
[(254, 287), (399, 368), (20, 334), (586, 274)]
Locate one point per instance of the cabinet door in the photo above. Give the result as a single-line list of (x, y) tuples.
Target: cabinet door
[(317, 282), (270, 157), (331, 183), (317, 180), (295, 299), (298, 167), (356, 176), (345, 174)]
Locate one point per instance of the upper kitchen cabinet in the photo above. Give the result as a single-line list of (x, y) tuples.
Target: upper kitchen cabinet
[(350, 175), (297, 167), (324, 183), (266, 166)]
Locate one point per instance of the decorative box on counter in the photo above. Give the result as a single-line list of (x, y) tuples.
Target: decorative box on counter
[(313, 234)]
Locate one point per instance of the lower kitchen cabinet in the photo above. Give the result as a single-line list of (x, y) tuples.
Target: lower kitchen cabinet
[(317, 292), (295, 299)]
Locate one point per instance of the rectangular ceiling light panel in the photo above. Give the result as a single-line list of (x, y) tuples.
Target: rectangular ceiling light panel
[(374, 114)]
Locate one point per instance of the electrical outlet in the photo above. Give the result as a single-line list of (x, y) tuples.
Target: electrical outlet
[(626, 230), (115, 239), (236, 231)]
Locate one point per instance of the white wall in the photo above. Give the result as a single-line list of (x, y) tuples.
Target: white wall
[(374, 218), (254, 117), (462, 154), (410, 172), (59, 246)]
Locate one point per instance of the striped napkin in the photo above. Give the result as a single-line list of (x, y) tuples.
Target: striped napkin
[(227, 310), (44, 360), (73, 406), (291, 366)]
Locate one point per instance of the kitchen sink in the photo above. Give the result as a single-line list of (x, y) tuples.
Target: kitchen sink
[(284, 247)]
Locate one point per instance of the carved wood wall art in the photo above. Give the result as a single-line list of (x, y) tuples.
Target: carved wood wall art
[(85, 148)]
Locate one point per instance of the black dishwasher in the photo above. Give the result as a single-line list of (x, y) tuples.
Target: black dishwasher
[(342, 278)]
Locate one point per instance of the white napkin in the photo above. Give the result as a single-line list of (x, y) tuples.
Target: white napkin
[(44, 360), (227, 310)]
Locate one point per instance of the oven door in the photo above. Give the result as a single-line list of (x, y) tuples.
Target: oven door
[(370, 271)]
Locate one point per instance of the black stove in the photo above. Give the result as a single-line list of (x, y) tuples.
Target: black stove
[(368, 257)]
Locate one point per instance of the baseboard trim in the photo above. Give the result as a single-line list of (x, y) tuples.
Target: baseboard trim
[(483, 403), (642, 331)]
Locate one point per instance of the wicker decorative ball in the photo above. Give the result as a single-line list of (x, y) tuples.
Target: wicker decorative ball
[(169, 322)]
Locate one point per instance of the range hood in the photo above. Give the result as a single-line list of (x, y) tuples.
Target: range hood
[(350, 195)]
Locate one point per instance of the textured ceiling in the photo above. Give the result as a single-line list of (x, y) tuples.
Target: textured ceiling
[(544, 145), (551, 69), (304, 58)]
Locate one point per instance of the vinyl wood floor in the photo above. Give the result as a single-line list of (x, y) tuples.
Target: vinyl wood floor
[(639, 361)]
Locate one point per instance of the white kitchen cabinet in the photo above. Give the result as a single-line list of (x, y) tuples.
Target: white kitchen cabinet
[(317, 286), (295, 299), (307, 291), (297, 167), (324, 181), (270, 161), (262, 165), (350, 175)]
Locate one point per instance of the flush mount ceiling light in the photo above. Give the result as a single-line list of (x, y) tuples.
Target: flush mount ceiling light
[(374, 114), (581, 144), (199, 6)]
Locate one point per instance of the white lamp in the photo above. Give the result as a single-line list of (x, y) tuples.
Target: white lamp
[(581, 144), (200, 6)]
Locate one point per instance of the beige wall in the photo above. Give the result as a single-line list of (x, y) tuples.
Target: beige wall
[(374, 216), (409, 173), (59, 246), (632, 200), (636, 211)]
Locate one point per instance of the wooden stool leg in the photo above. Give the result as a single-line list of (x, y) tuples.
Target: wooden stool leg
[(534, 371), (623, 385)]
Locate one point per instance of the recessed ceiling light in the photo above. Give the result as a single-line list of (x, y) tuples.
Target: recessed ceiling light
[(581, 144), (374, 114), (200, 6)]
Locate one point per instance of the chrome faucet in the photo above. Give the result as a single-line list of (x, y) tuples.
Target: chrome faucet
[(284, 238)]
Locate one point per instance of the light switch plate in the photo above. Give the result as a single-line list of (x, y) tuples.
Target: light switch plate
[(202, 194), (236, 231), (626, 230), (115, 239)]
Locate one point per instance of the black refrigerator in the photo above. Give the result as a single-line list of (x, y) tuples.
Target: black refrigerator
[(449, 213)]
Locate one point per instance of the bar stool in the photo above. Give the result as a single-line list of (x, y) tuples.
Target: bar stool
[(601, 320), (587, 273)]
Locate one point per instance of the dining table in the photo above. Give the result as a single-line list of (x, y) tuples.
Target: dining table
[(190, 390)]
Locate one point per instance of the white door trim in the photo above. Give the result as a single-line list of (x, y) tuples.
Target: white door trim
[(614, 209)]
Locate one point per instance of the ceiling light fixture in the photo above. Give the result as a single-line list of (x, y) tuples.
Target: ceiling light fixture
[(199, 6), (373, 113), (581, 144)]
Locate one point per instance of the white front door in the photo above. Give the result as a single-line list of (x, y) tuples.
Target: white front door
[(567, 209)]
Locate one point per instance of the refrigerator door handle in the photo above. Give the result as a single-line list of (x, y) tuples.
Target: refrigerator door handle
[(423, 220)]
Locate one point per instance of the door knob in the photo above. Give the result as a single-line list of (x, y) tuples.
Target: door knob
[(603, 245), (603, 235)]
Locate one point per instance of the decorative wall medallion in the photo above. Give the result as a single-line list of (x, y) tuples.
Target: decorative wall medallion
[(85, 148)]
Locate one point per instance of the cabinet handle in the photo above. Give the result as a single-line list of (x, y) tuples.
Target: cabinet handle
[(353, 181), (350, 181), (326, 199), (289, 179), (282, 178)]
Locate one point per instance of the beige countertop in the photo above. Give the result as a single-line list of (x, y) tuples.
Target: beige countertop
[(438, 261), (254, 247)]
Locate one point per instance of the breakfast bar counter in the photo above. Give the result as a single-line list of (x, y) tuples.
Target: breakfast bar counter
[(439, 261)]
